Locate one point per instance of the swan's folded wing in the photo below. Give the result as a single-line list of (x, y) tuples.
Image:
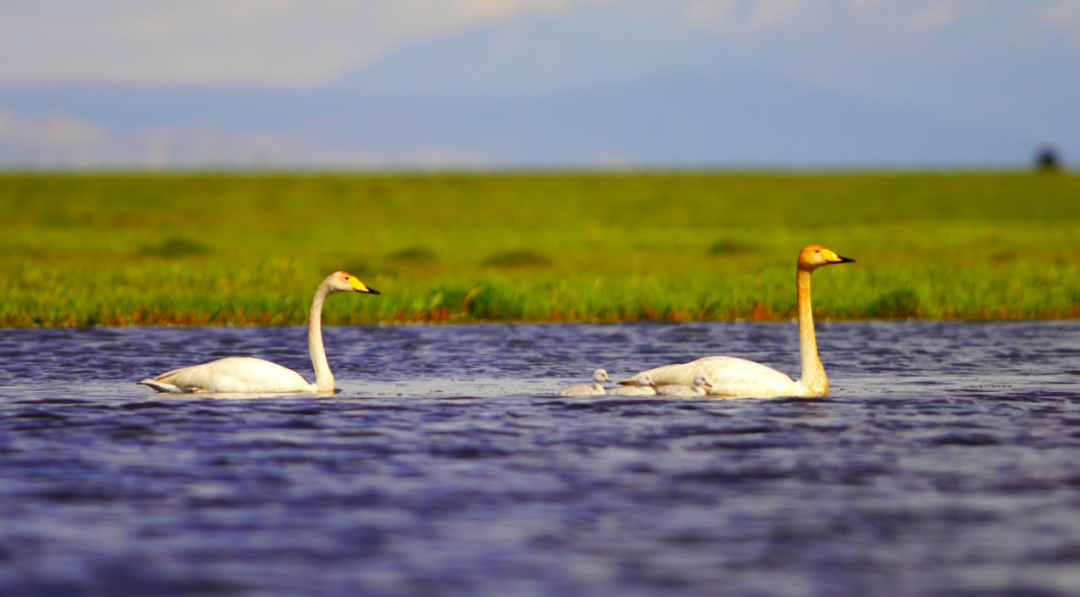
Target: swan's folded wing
[(730, 376), (167, 382), (166, 388), (231, 375)]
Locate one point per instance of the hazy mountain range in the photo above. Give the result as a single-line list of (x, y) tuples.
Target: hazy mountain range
[(547, 91)]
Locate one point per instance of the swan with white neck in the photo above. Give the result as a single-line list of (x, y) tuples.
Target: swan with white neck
[(733, 377), (247, 374)]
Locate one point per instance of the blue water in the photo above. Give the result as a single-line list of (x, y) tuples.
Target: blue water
[(946, 461)]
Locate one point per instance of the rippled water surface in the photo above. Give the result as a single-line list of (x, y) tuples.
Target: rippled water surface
[(946, 461)]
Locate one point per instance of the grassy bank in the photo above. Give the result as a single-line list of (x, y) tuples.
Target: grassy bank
[(236, 249)]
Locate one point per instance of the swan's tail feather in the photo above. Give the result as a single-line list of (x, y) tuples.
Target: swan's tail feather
[(166, 382), (160, 387)]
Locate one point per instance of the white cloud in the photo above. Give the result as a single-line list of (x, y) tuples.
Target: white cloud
[(742, 18), (224, 41), (1062, 11), (497, 9), (238, 42), (773, 11), (62, 140), (936, 17), (1063, 15), (57, 130), (713, 12)]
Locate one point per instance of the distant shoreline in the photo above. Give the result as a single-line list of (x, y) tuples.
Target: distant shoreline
[(248, 249)]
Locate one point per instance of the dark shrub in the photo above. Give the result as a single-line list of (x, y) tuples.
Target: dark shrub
[(417, 255), (1047, 160), (175, 246), (518, 258), (729, 247)]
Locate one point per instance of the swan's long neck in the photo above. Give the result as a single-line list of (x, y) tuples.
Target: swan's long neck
[(324, 378), (813, 381)]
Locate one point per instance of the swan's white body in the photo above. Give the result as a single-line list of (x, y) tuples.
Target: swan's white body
[(733, 377), (643, 386), (700, 388), (232, 375), (242, 375), (596, 388)]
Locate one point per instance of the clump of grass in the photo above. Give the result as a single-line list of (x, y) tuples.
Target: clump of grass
[(175, 246), (413, 256), (898, 304), (729, 247), (517, 259)]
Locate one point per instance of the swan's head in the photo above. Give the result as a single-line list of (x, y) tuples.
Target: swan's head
[(600, 375), (346, 282), (702, 381), (815, 256), (645, 380)]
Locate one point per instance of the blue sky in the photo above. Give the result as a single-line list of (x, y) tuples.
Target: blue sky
[(996, 76)]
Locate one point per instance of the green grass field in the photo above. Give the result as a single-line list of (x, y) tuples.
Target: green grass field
[(250, 249)]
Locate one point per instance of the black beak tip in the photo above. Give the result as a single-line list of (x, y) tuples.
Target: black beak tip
[(373, 291), (845, 259)]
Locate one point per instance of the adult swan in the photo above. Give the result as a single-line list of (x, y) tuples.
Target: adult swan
[(739, 378), (246, 374)]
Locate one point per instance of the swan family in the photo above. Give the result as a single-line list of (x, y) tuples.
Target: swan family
[(714, 376), (733, 377)]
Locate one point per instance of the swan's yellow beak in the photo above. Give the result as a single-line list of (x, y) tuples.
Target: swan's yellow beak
[(831, 257), (360, 286)]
